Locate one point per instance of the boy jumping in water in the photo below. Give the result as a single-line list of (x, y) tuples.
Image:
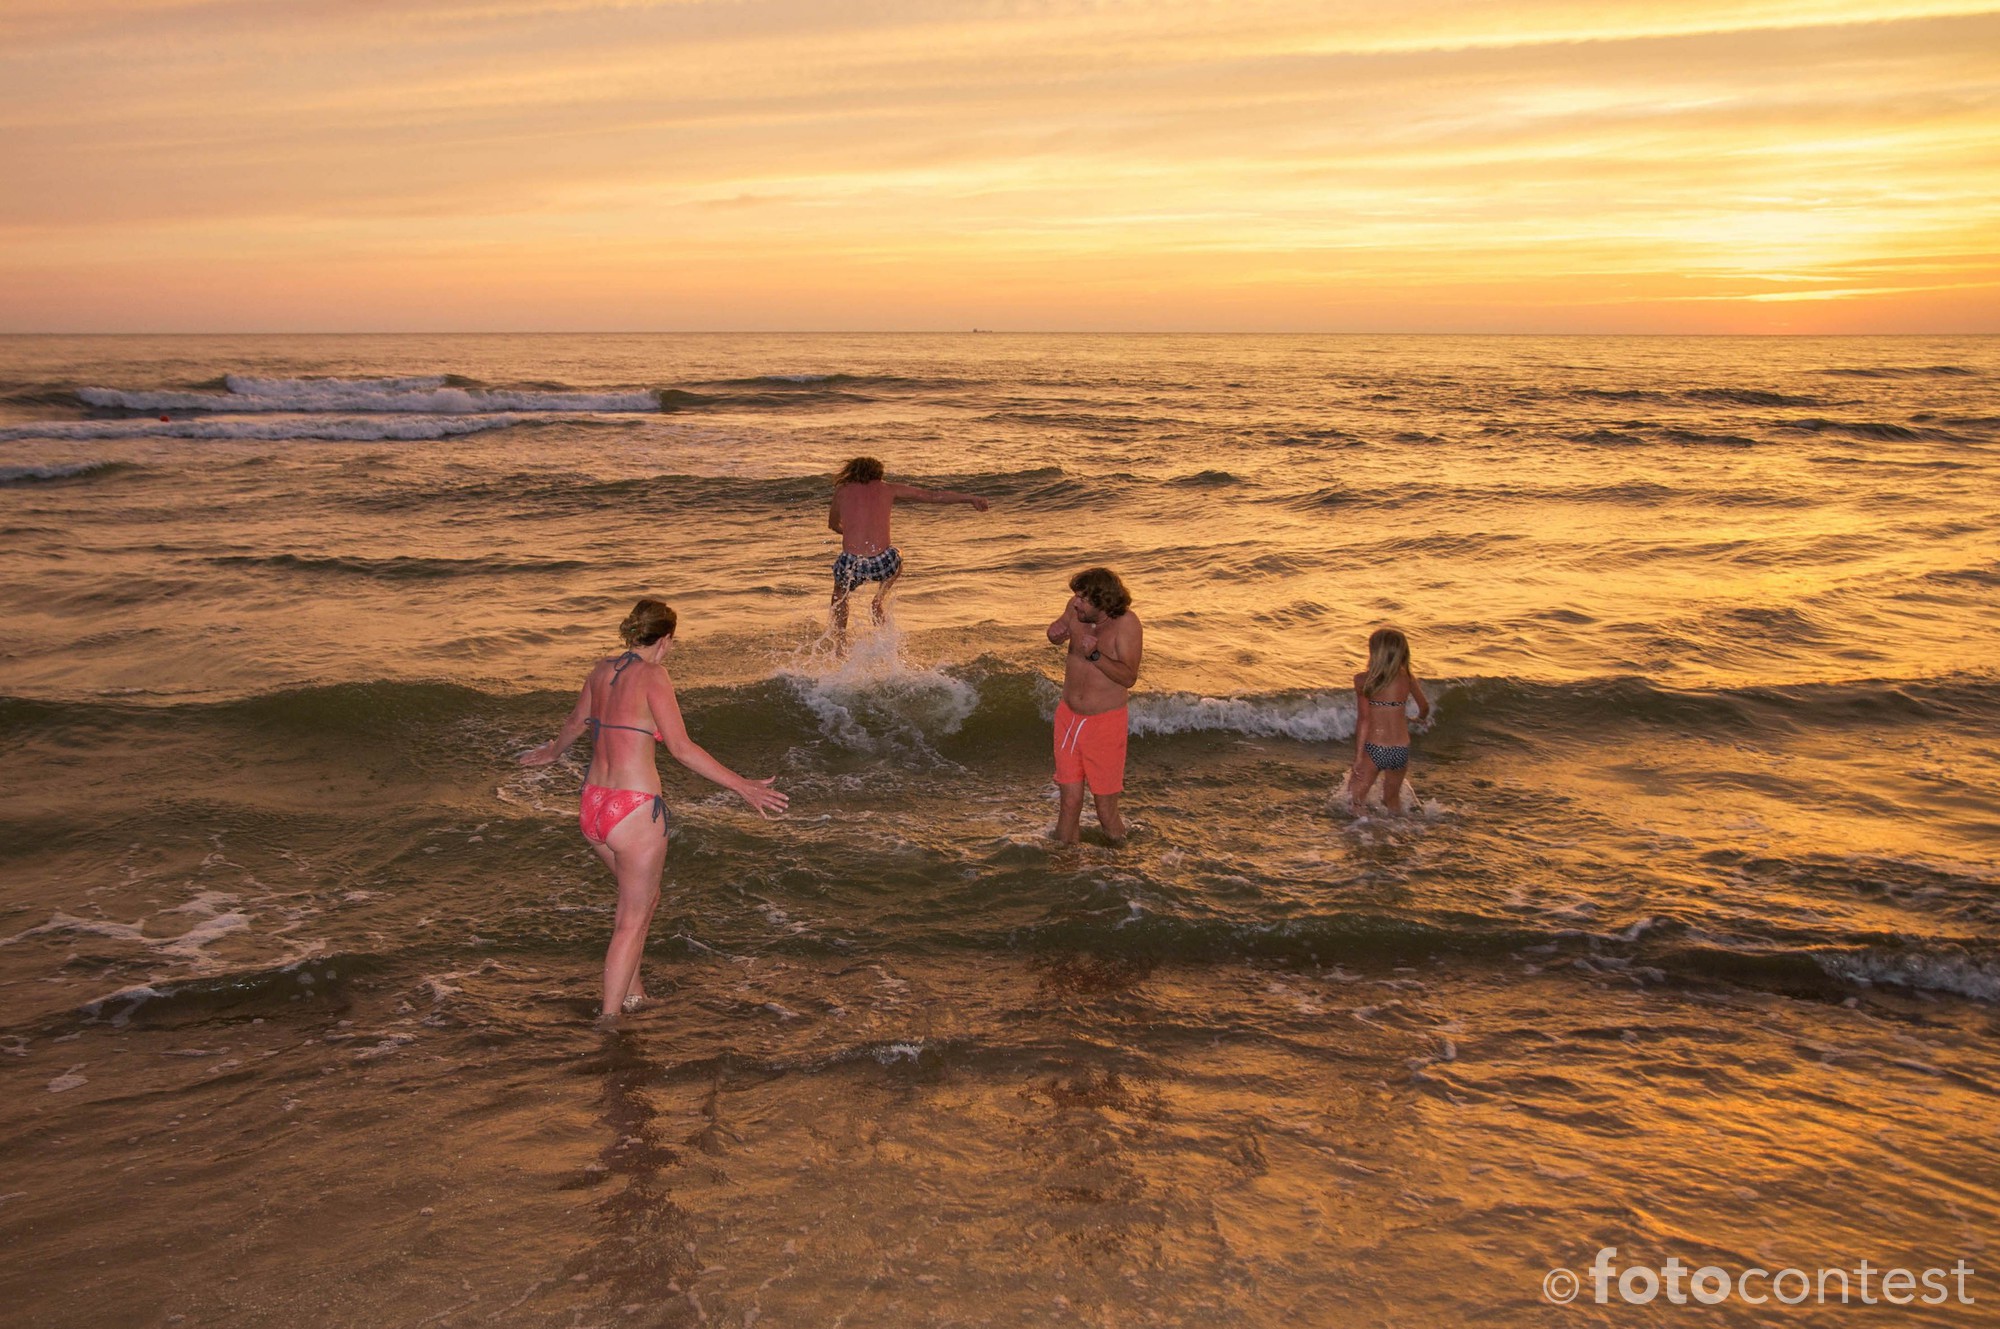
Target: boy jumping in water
[(1105, 640), (859, 513)]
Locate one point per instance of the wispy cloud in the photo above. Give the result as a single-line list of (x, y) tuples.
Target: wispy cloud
[(482, 163)]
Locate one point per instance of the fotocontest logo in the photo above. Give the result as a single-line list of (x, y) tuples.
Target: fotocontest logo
[(1604, 1281)]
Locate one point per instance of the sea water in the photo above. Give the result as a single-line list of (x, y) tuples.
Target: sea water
[(1690, 951)]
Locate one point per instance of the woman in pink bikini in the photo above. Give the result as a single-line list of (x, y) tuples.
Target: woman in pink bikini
[(628, 704)]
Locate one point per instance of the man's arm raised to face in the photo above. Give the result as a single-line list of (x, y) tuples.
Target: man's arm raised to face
[(1060, 629)]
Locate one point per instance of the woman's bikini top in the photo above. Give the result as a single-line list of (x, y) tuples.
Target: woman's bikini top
[(623, 662), (1397, 704)]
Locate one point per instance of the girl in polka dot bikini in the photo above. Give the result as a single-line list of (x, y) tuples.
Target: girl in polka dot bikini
[(1382, 694)]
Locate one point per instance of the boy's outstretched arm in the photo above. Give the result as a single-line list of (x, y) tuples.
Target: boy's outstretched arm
[(912, 494)]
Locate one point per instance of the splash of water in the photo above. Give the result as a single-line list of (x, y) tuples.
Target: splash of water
[(871, 698)]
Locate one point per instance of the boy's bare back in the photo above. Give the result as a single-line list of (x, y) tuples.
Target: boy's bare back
[(860, 511), (861, 515)]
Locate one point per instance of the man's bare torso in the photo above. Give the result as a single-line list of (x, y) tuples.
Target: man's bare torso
[(1086, 688), (864, 516)]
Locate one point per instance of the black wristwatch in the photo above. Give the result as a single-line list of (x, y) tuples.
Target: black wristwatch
[(1092, 657)]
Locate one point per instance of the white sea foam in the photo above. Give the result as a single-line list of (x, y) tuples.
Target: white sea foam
[(391, 1043), (871, 697), (62, 922), (190, 944), (187, 946), (1314, 717), (422, 396), (134, 997), (1938, 972), (328, 428), (52, 471), (210, 903)]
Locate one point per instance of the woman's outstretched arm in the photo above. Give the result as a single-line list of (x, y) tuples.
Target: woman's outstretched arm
[(572, 729), (667, 715)]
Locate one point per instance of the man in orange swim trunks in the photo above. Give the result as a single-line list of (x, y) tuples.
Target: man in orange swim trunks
[(1104, 639)]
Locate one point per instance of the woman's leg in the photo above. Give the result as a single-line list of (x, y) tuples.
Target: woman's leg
[(603, 851), (1392, 789), (637, 854)]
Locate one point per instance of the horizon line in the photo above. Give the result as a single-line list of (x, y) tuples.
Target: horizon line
[(969, 332)]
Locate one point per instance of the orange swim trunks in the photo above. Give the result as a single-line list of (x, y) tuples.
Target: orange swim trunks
[(1092, 748)]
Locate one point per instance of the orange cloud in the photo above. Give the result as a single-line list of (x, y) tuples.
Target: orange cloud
[(198, 164)]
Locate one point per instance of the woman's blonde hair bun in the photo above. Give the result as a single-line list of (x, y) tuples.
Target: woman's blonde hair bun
[(649, 621)]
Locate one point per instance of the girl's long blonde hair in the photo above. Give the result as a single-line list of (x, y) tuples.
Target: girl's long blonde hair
[(1388, 659)]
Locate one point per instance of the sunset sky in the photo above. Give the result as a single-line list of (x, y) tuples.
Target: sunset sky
[(1544, 165)]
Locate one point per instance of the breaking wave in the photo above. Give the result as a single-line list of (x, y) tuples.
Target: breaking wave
[(19, 475), (435, 395), (320, 428)]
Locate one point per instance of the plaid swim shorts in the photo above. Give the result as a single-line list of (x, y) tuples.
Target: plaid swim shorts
[(851, 570)]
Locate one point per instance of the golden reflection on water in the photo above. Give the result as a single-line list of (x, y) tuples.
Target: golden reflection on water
[(1401, 1147)]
